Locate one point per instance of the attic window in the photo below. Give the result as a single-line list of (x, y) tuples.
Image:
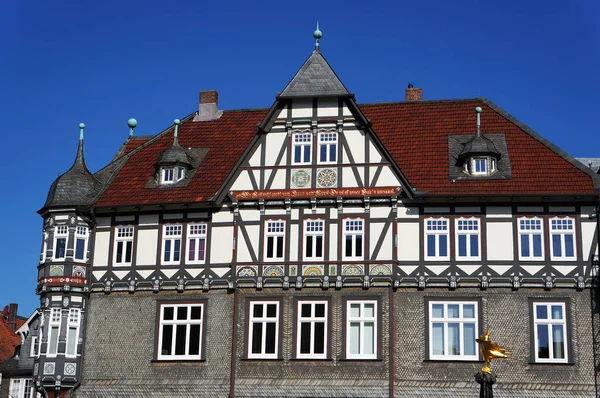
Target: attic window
[(480, 166), (170, 175)]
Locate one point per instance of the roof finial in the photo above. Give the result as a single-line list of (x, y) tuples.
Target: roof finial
[(478, 110), (317, 35), (81, 127), (176, 131), (132, 123)]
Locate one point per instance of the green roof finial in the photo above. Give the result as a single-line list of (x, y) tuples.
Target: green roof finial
[(317, 34), (478, 111), (132, 123), (81, 127), (176, 132)]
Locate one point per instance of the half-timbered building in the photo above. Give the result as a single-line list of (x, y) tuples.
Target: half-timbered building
[(321, 247)]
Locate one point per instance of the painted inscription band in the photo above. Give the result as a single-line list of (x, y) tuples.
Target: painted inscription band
[(315, 193), (62, 280)]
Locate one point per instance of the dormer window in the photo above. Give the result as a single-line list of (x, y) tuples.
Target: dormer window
[(171, 175), (480, 166)]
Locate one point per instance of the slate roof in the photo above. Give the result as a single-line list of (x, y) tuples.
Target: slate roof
[(315, 78)]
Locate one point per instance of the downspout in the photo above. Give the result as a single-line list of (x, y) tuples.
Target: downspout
[(233, 346)]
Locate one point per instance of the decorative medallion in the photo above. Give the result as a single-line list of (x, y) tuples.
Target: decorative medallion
[(354, 270), (79, 271), (332, 269), (72, 220), (312, 270), (300, 178), (65, 302), (57, 270), (381, 269), (70, 369), (326, 178), (293, 270), (273, 270), (247, 272), (49, 368)]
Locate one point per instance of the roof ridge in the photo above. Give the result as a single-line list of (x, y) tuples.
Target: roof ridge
[(423, 101)]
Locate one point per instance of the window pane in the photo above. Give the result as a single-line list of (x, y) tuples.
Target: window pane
[(469, 338), (79, 247), (354, 310), (354, 337), (201, 248), (167, 255), (443, 245), (369, 311), (270, 246), (537, 245), (297, 152), (453, 339), (437, 310), (256, 337), (437, 338), (177, 250), (474, 245), (196, 313), (541, 312), (194, 340), (323, 157), (180, 337), (359, 246), (53, 343), (319, 246), (280, 247), (320, 310), (120, 252), (558, 341), (525, 245), (71, 341), (542, 341), (332, 152), (569, 247), (348, 246), (168, 313), (270, 343), (182, 312), (309, 246), (462, 245), (369, 338), (305, 338), (192, 250), (258, 310), (431, 245), (128, 251), (271, 310), (319, 338), (556, 249), (557, 312), (453, 310), (469, 311), (167, 340), (305, 310), (306, 153), (61, 244)]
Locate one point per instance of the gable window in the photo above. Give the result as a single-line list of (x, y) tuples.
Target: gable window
[(436, 239), (123, 245), (180, 331), (72, 332), (313, 239), (263, 331), (61, 236), (81, 242), (562, 242), (467, 239), (53, 332), (353, 239), (170, 175), (453, 328), (274, 240), (302, 144), (196, 249), (22, 388), (361, 329), (327, 147), (312, 329), (171, 244), (531, 236), (550, 332)]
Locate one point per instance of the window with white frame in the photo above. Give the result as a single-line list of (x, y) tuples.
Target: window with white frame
[(328, 147), (436, 239), (22, 388), (61, 237), (467, 239), (171, 247), (274, 240), (453, 327), (302, 144), (180, 331), (170, 175), (263, 333), (562, 242), (72, 332), (312, 329), (123, 245), (53, 332), (531, 238), (361, 329), (196, 243), (81, 243), (353, 243), (313, 239), (550, 332), (34, 350)]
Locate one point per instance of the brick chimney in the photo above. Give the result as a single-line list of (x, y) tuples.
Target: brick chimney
[(12, 316), (413, 94), (209, 106)]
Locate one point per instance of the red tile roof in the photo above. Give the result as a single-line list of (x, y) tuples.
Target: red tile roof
[(415, 134), (9, 340)]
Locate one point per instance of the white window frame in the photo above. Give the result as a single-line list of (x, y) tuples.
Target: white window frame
[(264, 320), (274, 229), (123, 234), (353, 227), (18, 388), (314, 228), (324, 141), (362, 320), (167, 175), (172, 234), (524, 229), (436, 226), (175, 322), (73, 323), (300, 140), (550, 322), (465, 222), (54, 326), (60, 232), (81, 233), (196, 233), (312, 320), (34, 350), (446, 320), (559, 227)]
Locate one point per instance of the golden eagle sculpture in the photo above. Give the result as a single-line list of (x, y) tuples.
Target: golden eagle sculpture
[(490, 351)]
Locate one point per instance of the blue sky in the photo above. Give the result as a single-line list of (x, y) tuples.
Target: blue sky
[(102, 62)]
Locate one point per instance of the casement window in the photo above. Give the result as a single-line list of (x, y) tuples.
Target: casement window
[(22, 388), (61, 237), (196, 243), (81, 243), (181, 327), (550, 332), (53, 332), (453, 327), (436, 239), (123, 245), (171, 248), (312, 329), (171, 175), (353, 242), (361, 329), (467, 239), (34, 350), (302, 148), (531, 238), (73, 332), (274, 240), (263, 330), (328, 147), (313, 239), (562, 239)]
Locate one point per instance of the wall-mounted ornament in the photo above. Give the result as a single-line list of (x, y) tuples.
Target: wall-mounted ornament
[(301, 178), (57, 270), (312, 270), (326, 178)]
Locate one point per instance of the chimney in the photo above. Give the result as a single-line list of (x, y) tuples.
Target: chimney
[(413, 94), (12, 317), (208, 108)]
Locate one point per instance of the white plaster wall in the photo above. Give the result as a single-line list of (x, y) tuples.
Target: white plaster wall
[(301, 108), (274, 143), (374, 154), (356, 144), (333, 213), (101, 247), (387, 178), (147, 246), (282, 114), (407, 212), (498, 212), (500, 241), (294, 249), (250, 215), (352, 210), (149, 219), (587, 236), (279, 180), (221, 244), (408, 241), (275, 212), (380, 212), (254, 159), (243, 254), (385, 252), (333, 242), (346, 111), (242, 182), (327, 107), (224, 215), (348, 179)]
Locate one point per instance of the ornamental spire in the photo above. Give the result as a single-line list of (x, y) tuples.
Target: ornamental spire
[(317, 34), (132, 123), (478, 111), (176, 131)]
